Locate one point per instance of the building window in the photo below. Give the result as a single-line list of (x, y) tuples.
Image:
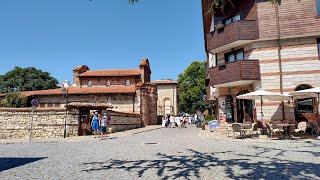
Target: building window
[(42, 105), (318, 7), (89, 83), (232, 19), (50, 105), (234, 55), (318, 42), (304, 105), (57, 105), (128, 83), (108, 83)]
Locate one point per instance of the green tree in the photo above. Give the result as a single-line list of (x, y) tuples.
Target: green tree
[(26, 79), (192, 88), (14, 100)]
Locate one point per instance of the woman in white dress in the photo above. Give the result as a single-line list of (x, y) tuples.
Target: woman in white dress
[(164, 119)]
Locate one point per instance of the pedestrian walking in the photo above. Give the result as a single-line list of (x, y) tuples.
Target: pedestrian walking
[(172, 121), (164, 121), (103, 128), (95, 124)]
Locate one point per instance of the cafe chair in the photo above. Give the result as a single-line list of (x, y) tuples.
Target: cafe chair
[(302, 127), (252, 130), (271, 130), (236, 128)]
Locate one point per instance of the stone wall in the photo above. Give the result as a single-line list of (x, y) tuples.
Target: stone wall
[(167, 92), (121, 121), (47, 123), (120, 102)]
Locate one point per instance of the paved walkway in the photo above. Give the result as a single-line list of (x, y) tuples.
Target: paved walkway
[(154, 153)]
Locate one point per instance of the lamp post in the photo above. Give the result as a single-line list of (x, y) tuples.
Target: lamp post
[(64, 92)]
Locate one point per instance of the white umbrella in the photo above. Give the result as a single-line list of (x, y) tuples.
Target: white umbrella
[(262, 94), (307, 93)]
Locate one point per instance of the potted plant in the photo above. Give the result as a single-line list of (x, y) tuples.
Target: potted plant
[(219, 26)]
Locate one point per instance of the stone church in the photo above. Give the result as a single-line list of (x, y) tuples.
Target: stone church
[(122, 90)]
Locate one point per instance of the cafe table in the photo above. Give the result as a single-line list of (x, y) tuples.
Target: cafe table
[(285, 126)]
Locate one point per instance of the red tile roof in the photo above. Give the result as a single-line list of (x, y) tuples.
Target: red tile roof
[(112, 72), (84, 90), (164, 82)]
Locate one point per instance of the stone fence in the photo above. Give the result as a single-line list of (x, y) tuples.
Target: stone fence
[(49, 123), (121, 121)]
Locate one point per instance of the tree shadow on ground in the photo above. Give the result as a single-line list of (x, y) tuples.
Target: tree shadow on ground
[(191, 166), (9, 162)]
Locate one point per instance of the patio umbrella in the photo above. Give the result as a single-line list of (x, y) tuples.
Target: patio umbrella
[(262, 94), (307, 93)]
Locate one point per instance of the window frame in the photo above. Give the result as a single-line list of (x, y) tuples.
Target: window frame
[(317, 11), (128, 82), (108, 83), (90, 83), (231, 18), (318, 46), (234, 53)]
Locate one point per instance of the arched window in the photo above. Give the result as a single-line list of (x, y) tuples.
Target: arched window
[(108, 83), (89, 83), (304, 105), (128, 83)]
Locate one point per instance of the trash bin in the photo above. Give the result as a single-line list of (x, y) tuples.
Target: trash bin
[(213, 124)]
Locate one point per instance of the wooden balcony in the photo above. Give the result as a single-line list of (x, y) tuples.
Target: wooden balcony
[(233, 35), (237, 73)]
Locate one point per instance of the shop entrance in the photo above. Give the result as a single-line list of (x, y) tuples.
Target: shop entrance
[(244, 108), (229, 109), (84, 122)]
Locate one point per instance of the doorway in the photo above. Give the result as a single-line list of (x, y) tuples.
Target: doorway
[(84, 122), (229, 109), (244, 108)]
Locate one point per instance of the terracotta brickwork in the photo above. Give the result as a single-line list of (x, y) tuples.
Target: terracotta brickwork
[(296, 18), (148, 103)]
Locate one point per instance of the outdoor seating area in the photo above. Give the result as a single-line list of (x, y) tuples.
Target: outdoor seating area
[(287, 129), (280, 129)]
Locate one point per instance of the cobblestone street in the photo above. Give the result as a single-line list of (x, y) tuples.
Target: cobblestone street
[(157, 153)]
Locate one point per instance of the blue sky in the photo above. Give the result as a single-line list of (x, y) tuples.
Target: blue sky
[(58, 35)]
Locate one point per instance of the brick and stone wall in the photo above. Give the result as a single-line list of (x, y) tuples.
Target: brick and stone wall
[(120, 102), (47, 123), (148, 103), (121, 121)]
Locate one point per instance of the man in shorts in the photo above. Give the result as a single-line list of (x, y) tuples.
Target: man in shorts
[(104, 122)]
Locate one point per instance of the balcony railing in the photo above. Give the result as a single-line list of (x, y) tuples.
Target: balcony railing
[(235, 73), (242, 30)]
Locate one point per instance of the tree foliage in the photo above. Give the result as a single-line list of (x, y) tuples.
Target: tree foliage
[(26, 79), (192, 88), (219, 5), (14, 100)]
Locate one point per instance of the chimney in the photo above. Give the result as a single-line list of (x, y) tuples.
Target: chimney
[(76, 72)]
